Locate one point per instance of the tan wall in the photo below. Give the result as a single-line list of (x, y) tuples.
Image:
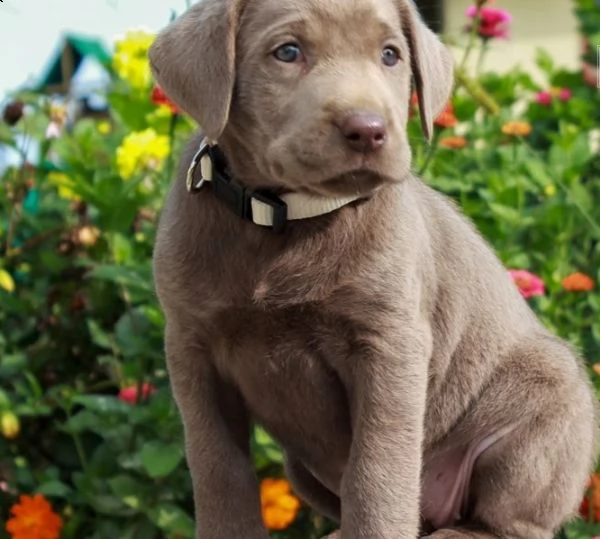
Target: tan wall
[(546, 24)]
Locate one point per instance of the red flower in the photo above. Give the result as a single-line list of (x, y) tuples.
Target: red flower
[(590, 505), (130, 394), (493, 22), (159, 97)]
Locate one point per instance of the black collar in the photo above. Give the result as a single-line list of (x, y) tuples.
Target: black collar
[(235, 195)]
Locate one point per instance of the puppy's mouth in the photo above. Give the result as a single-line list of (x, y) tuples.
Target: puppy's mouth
[(362, 181)]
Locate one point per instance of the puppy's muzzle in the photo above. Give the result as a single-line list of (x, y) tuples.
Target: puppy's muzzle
[(363, 131)]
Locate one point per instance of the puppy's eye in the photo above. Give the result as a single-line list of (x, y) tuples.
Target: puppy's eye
[(288, 53), (390, 56)]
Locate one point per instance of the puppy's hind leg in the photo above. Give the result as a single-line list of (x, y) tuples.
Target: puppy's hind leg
[(529, 483)]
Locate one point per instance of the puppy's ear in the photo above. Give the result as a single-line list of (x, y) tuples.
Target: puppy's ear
[(193, 60), (431, 63)]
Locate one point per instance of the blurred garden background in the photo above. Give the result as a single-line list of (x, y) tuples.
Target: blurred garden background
[(90, 440)]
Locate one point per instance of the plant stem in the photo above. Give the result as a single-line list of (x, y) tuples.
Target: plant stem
[(472, 39), (77, 442), (80, 451), (480, 60), (520, 188), (431, 152)]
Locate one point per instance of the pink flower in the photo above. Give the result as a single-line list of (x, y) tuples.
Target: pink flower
[(565, 94), (493, 22), (547, 96), (528, 283), (544, 98), (130, 394)]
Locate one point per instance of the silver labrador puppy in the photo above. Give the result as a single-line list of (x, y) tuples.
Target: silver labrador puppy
[(344, 305)]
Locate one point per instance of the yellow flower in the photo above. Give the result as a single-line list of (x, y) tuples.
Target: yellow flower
[(104, 127), (516, 129), (142, 150), (33, 518), (64, 186), (279, 506), (130, 60), (6, 281), (550, 190), (9, 425)]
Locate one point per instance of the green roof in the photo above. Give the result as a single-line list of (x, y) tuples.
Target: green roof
[(83, 47)]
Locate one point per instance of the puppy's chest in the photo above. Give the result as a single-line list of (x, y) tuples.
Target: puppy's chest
[(285, 364)]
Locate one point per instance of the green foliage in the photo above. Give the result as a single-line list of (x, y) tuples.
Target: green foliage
[(80, 321), (588, 14)]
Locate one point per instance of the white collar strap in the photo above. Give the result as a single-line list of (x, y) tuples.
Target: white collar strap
[(260, 207)]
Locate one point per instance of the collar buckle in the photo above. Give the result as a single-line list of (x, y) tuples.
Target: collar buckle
[(280, 209), (196, 186)]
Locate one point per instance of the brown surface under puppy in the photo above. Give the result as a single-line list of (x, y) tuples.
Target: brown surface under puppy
[(383, 344)]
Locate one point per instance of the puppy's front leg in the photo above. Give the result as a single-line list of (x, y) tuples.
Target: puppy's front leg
[(381, 485), (216, 431)]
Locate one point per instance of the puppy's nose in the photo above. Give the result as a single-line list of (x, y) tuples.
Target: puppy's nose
[(364, 131)]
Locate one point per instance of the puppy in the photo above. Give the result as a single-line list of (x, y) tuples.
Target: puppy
[(342, 304)]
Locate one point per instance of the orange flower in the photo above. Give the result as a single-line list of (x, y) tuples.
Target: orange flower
[(578, 282), (279, 506), (447, 118), (454, 143), (590, 505), (33, 518), (516, 129)]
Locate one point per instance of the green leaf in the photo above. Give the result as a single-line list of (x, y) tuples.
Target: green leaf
[(159, 459), (12, 364), (4, 399), (131, 333), (545, 62), (99, 337), (54, 488), (509, 215), (265, 449), (81, 421), (127, 489), (123, 276), (171, 518), (538, 173), (121, 249), (103, 404)]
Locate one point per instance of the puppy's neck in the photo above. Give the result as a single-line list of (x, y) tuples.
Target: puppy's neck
[(244, 164)]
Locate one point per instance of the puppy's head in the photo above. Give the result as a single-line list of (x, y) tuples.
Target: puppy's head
[(306, 94)]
